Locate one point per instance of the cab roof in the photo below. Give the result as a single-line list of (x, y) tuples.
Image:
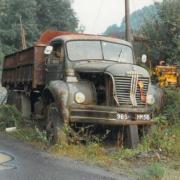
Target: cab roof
[(71, 37), (50, 36)]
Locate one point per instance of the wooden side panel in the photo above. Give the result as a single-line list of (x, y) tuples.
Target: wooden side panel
[(39, 67), (26, 67), (9, 69)]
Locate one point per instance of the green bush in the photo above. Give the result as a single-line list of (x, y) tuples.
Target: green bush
[(31, 135), (172, 107), (9, 117), (165, 135), (154, 171)]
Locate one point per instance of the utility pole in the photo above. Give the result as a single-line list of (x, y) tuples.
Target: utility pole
[(127, 21), (132, 130)]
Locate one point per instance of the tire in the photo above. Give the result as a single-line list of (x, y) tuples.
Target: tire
[(54, 125), (22, 103)]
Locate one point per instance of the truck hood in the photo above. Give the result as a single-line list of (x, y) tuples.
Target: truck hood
[(116, 69)]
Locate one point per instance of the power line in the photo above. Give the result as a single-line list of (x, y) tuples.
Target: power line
[(97, 15)]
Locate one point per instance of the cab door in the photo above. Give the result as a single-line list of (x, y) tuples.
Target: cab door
[(55, 63)]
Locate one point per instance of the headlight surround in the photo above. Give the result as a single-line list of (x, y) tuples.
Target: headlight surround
[(150, 99), (80, 98)]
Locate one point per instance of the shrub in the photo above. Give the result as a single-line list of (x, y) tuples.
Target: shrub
[(172, 107), (154, 171), (9, 116)]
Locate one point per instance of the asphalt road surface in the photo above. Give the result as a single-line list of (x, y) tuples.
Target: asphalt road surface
[(19, 161)]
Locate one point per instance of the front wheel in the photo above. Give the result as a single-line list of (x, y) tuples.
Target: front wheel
[(54, 125)]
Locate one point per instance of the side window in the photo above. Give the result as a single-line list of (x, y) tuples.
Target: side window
[(57, 55)]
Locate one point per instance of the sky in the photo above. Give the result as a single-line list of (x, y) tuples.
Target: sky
[(97, 15)]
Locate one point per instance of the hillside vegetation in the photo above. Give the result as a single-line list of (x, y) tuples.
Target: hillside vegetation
[(159, 25), (36, 17)]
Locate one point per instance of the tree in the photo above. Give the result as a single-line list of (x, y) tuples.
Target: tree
[(56, 14), (37, 16), (164, 34), (113, 29), (10, 23), (137, 19)]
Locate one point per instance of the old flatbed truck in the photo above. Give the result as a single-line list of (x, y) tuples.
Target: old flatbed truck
[(78, 78)]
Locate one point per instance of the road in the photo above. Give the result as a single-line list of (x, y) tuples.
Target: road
[(20, 161)]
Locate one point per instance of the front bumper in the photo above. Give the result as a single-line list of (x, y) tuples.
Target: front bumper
[(106, 115)]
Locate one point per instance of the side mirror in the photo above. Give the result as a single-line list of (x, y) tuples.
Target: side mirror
[(144, 58), (48, 50)]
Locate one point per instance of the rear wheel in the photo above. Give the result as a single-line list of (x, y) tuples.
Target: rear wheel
[(54, 125), (22, 103)]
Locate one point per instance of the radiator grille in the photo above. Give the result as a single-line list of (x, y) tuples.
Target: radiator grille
[(123, 87)]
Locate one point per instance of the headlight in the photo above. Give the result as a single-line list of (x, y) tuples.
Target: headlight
[(150, 99), (79, 97)]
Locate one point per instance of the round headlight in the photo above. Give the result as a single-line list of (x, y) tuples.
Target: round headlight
[(79, 97), (150, 99)]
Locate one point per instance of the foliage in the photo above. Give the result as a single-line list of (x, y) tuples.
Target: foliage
[(172, 106), (56, 14), (154, 171), (161, 139), (163, 34), (159, 26), (111, 30), (137, 19), (9, 117), (37, 16), (11, 11), (165, 136), (32, 135)]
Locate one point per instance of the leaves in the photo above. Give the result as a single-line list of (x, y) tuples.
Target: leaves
[(37, 16), (164, 34)]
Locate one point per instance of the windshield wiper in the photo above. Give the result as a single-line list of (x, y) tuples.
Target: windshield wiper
[(119, 55)]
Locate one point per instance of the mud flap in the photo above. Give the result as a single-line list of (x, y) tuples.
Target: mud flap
[(132, 136)]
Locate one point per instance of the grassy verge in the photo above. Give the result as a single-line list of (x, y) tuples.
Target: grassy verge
[(156, 157)]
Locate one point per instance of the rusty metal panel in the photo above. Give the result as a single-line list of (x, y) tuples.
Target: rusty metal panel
[(26, 66), (48, 35), (10, 61), (39, 66), (26, 57)]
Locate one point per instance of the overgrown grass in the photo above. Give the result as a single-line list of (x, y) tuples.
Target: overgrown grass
[(31, 135), (9, 117), (91, 153), (172, 107), (152, 172), (162, 141)]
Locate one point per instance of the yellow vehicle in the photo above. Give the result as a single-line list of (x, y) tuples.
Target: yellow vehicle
[(167, 75)]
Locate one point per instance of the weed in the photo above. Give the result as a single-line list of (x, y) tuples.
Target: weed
[(31, 135), (9, 116), (172, 107), (154, 171), (165, 136)]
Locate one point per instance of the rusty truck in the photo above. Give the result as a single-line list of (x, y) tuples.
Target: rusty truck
[(80, 78)]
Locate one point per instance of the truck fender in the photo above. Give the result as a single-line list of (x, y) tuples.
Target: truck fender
[(60, 92)]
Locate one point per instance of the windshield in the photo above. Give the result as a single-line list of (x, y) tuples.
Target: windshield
[(99, 50)]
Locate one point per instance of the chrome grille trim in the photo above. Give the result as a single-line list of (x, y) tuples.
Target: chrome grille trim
[(123, 89)]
